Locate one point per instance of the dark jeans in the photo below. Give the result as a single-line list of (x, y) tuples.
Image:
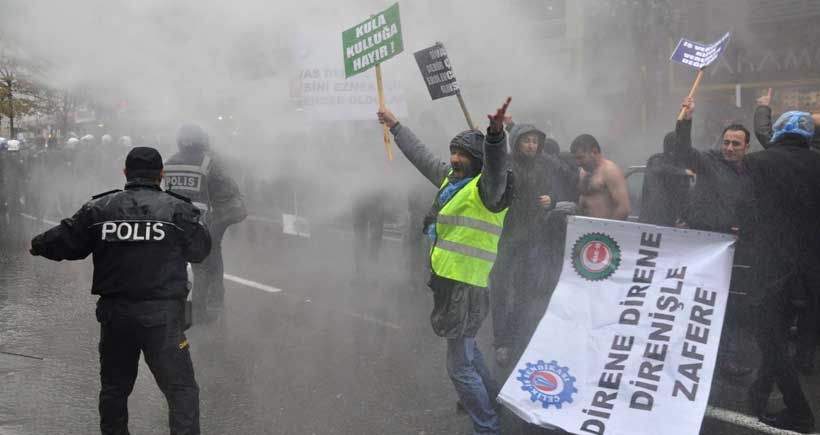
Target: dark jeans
[(775, 317), (208, 297), (155, 329), (475, 387)]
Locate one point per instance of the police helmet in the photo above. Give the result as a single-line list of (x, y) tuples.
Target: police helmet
[(72, 143), (87, 140), (13, 145), (106, 140), (125, 141), (191, 136), (794, 123)]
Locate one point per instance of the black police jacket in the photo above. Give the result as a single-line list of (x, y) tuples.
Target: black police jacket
[(202, 175), (140, 238)]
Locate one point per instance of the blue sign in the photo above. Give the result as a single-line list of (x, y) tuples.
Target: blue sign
[(698, 55)]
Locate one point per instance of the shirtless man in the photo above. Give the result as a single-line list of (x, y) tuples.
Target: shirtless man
[(602, 186)]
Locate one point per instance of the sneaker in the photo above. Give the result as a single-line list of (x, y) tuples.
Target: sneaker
[(788, 421)]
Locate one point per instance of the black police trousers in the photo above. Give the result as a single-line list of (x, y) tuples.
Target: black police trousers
[(208, 296), (775, 317), (155, 329)]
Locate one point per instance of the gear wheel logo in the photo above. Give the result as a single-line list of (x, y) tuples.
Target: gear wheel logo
[(596, 256), (548, 383)]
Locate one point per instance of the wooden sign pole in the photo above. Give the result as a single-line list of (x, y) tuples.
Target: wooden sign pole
[(380, 87), (466, 113), (692, 92)]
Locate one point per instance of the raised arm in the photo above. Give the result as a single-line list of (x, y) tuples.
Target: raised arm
[(763, 120), (682, 150), (493, 182), (419, 154)]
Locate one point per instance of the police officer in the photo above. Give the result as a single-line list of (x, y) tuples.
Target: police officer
[(14, 182), (197, 173), (140, 239)]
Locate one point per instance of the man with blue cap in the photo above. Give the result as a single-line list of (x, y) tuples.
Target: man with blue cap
[(781, 219)]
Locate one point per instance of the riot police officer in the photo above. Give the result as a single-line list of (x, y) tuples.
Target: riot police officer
[(198, 173), (140, 239)]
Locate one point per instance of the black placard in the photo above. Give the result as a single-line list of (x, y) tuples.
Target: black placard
[(437, 72)]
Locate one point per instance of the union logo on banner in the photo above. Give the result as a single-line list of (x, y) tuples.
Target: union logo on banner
[(548, 383), (596, 256)]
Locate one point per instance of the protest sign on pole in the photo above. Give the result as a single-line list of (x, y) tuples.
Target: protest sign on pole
[(370, 43), (438, 75), (629, 341), (699, 56)]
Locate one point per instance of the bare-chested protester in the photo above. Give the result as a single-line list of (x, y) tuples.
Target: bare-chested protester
[(602, 187)]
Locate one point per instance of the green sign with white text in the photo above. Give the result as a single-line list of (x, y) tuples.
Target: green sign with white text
[(372, 41)]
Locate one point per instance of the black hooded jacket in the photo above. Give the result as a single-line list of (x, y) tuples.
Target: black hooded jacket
[(780, 216), (666, 186), (528, 252), (532, 177)]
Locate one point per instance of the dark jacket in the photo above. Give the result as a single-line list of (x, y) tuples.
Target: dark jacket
[(532, 177), (221, 191), (459, 308), (763, 125), (665, 188), (781, 214), (517, 278), (719, 185), (140, 238)]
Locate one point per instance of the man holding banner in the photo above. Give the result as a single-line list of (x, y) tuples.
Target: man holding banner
[(464, 224)]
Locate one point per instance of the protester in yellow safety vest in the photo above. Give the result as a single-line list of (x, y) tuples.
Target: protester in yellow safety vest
[(464, 224)]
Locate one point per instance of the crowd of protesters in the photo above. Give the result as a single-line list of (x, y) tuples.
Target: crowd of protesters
[(768, 199)]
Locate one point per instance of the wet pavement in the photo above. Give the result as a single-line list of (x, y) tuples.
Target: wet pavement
[(325, 355)]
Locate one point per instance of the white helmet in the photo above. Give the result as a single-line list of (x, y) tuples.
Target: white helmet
[(106, 140), (72, 143), (14, 145), (87, 140), (125, 141)]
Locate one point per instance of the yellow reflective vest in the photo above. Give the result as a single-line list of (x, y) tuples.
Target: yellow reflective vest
[(466, 237)]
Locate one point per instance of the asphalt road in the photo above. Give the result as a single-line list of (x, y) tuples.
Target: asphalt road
[(304, 348)]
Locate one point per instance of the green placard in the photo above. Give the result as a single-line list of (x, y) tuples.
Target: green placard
[(373, 41)]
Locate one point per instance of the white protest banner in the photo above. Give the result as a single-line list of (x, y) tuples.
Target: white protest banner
[(629, 341), (320, 87)]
